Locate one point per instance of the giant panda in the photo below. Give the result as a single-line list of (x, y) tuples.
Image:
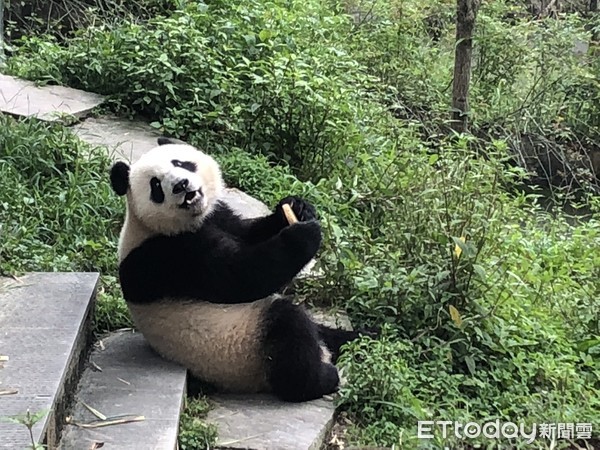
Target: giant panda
[(201, 283)]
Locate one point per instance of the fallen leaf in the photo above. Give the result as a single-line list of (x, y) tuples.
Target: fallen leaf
[(94, 411), (9, 392), (458, 246)]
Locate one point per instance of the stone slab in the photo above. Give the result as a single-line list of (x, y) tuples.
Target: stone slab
[(133, 380), (262, 422), (125, 139), (24, 98), (331, 318), (245, 205), (44, 320)]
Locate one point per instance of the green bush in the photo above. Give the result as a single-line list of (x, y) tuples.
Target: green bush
[(506, 318), (264, 76)]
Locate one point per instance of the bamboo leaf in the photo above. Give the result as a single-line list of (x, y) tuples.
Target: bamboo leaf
[(107, 423)]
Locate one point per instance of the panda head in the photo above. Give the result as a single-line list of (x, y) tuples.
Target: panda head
[(170, 189)]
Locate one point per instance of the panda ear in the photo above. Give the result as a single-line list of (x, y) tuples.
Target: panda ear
[(165, 140), (119, 178)]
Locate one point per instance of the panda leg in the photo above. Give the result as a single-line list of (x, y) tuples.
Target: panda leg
[(334, 338), (296, 371)]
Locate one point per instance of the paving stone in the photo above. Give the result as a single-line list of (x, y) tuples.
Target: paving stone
[(244, 204), (335, 319), (125, 139), (134, 380), (44, 330), (262, 422), (24, 98)]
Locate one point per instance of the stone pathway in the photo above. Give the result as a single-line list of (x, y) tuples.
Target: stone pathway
[(252, 422), (24, 98), (127, 140)]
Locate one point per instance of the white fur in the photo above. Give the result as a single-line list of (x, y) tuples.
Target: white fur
[(217, 343)]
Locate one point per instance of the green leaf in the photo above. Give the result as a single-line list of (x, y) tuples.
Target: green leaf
[(479, 270), (264, 35), (470, 364)]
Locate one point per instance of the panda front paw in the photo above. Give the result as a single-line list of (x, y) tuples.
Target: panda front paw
[(303, 210), (303, 238)]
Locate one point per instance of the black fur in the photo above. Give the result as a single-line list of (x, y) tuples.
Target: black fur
[(156, 191), (295, 370), (234, 260), (119, 178), (228, 260), (165, 140), (303, 210), (335, 338), (187, 165)]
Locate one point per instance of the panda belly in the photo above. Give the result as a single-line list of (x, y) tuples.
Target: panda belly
[(218, 343)]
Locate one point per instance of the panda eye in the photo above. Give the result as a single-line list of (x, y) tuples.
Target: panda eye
[(187, 165), (156, 192)]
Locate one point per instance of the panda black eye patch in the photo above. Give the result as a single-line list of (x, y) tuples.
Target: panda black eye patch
[(187, 165), (156, 192)]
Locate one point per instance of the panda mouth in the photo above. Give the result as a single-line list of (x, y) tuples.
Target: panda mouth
[(190, 198)]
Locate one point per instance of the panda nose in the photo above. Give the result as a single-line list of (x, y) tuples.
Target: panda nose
[(180, 186)]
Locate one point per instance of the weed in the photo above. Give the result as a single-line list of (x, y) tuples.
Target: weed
[(28, 420)]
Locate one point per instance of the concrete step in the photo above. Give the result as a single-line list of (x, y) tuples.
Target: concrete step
[(125, 377), (262, 422), (44, 330), (49, 103)]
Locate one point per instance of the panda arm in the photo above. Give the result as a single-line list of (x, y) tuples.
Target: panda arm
[(256, 271), (250, 231), (257, 230), (210, 266)]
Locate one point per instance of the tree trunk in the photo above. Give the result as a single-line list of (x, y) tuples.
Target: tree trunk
[(594, 11), (465, 22)]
